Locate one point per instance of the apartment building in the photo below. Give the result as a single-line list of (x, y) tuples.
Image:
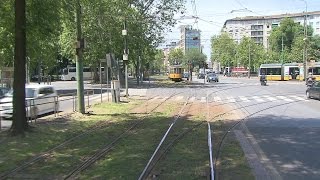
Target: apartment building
[(260, 27)]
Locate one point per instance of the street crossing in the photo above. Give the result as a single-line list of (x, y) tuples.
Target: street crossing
[(234, 99)]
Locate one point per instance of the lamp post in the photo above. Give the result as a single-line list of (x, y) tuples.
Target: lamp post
[(125, 54), (249, 69), (305, 53)]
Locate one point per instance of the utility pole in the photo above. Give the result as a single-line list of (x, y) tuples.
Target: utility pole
[(305, 39), (282, 56), (79, 64), (125, 55), (249, 69)]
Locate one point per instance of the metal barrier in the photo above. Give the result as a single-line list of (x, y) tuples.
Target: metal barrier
[(31, 104)]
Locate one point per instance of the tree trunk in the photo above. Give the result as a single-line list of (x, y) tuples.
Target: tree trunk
[(19, 122)]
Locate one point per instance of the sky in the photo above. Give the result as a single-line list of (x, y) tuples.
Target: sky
[(213, 14)]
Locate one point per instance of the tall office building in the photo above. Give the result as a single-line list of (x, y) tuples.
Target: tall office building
[(189, 38), (259, 27)]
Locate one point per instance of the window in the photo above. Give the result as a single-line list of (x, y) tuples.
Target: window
[(46, 91), (86, 69), (72, 70), (317, 23), (311, 23), (30, 93), (273, 71)]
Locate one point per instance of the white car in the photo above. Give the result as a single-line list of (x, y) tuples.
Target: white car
[(40, 99)]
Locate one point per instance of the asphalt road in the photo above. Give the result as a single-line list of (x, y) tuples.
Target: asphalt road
[(281, 125), (284, 125)]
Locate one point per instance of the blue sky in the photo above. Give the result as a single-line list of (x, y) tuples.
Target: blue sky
[(218, 11)]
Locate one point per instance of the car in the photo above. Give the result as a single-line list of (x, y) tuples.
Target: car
[(3, 91), (212, 77), (186, 75), (40, 99), (314, 90), (201, 76)]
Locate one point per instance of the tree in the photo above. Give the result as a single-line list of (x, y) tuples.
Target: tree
[(195, 57), (158, 61), (287, 42), (256, 51), (19, 122), (223, 49), (176, 56)]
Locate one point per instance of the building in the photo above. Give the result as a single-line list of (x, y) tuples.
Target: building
[(189, 38), (259, 27), (166, 52)]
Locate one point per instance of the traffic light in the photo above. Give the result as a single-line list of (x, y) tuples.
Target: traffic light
[(207, 66)]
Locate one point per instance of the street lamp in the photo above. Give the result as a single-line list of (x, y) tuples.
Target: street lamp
[(305, 54)]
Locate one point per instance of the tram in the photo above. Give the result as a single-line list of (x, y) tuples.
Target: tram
[(314, 69), (288, 71), (176, 73)]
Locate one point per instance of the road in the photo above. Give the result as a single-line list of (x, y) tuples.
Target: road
[(281, 129), (284, 127)]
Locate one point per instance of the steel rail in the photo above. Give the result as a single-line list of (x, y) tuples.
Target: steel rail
[(107, 147), (142, 175)]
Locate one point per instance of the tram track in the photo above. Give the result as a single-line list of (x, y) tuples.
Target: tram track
[(167, 143), (94, 128), (246, 117), (107, 147)]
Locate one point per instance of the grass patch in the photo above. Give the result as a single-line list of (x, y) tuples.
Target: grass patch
[(16, 150), (232, 163), (188, 159)]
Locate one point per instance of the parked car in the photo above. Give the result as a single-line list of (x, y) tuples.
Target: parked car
[(201, 76), (212, 77), (186, 75), (40, 99), (314, 91), (3, 91)]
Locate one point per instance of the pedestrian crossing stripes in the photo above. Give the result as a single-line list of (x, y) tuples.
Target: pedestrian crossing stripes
[(192, 99), (258, 99), (179, 98), (217, 99), (244, 99), (232, 99), (285, 98)]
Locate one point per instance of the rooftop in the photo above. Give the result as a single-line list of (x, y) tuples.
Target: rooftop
[(279, 16)]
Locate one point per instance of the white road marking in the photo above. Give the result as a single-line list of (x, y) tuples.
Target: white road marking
[(179, 98), (284, 98), (231, 99), (298, 98), (217, 99), (244, 99), (258, 99), (270, 98)]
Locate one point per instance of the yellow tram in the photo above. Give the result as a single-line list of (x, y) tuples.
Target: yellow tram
[(288, 71), (176, 73), (314, 69)]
